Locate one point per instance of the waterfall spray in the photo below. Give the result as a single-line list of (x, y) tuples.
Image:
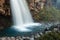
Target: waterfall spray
[(21, 16)]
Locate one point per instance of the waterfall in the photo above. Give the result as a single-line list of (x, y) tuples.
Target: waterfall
[(21, 12), (21, 15), (25, 11)]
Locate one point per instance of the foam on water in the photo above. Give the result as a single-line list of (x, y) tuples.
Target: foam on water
[(21, 16), (25, 27)]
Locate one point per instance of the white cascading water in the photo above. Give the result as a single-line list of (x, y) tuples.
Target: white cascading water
[(21, 15)]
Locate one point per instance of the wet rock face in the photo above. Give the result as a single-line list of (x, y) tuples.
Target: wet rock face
[(4, 7), (2, 2)]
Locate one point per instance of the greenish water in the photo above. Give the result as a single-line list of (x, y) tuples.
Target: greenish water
[(13, 32), (36, 29)]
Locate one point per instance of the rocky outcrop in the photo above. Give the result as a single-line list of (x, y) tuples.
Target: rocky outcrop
[(4, 7)]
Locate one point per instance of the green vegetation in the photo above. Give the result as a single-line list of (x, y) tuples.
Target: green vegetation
[(48, 14), (50, 36)]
